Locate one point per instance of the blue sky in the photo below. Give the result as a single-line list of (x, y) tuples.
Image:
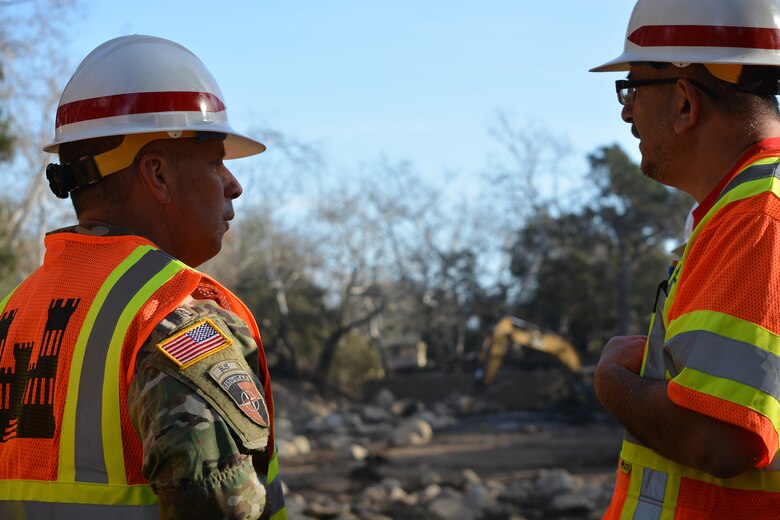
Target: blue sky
[(407, 80)]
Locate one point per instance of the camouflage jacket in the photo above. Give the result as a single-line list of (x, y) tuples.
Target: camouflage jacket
[(200, 449)]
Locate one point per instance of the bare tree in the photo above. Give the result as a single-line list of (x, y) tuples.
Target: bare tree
[(526, 185), (266, 257), (32, 43)]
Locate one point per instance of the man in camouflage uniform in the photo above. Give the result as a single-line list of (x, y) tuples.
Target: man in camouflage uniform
[(191, 416)]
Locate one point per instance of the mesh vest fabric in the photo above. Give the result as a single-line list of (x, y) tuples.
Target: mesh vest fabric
[(715, 336), (77, 270)]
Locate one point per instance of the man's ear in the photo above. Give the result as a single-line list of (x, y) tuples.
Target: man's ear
[(154, 170), (687, 105)]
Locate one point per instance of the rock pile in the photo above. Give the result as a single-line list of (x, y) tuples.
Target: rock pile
[(345, 434), (549, 494)]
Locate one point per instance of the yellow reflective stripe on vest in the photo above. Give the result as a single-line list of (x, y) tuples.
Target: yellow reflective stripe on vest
[(98, 456), (77, 492), (725, 325), (14, 509), (632, 496), (67, 466), (740, 362), (273, 468), (731, 391), (652, 495), (755, 178), (112, 424), (753, 480), (671, 496), (274, 491)]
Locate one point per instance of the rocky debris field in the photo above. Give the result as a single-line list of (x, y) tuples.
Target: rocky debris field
[(460, 458)]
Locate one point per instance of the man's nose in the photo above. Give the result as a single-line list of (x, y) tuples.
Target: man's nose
[(627, 114), (233, 188)]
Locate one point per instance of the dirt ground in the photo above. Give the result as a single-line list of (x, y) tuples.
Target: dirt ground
[(587, 450), (506, 443)]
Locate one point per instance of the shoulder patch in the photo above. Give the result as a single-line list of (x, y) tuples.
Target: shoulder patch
[(198, 341), (234, 380)]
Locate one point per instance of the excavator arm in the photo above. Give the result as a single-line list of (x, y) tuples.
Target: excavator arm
[(512, 333)]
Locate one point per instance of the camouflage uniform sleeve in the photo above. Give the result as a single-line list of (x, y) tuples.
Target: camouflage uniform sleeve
[(201, 424)]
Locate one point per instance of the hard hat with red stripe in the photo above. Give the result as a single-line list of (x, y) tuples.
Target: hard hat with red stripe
[(730, 32), (144, 85)]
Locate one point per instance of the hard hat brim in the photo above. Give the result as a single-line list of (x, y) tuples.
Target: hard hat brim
[(702, 55)]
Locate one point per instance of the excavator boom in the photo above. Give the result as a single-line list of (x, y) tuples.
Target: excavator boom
[(512, 333)]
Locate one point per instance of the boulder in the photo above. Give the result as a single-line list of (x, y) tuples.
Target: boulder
[(412, 432), (302, 444), (384, 399), (428, 476), (569, 503), (450, 507), (358, 452), (557, 481)]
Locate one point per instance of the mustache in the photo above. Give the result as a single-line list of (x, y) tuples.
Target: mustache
[(634, 131)]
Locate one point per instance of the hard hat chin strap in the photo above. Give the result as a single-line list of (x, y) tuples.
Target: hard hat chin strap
[(89, 169)]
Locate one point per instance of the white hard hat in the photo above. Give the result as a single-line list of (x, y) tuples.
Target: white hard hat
[(738, 32), (143, 84)]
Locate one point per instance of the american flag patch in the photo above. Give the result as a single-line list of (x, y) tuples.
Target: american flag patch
[(194, 343)]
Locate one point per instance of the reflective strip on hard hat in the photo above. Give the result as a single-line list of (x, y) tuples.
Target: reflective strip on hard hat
[(705, 36), (137, 103)]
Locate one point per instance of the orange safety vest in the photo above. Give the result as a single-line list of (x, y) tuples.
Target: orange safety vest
[(69, 336), (721, 356)]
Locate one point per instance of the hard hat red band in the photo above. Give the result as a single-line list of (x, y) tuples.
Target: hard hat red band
[(706, 36), (137, 103)]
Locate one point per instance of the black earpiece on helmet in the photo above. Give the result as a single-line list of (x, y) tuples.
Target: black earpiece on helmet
[(64, 178)]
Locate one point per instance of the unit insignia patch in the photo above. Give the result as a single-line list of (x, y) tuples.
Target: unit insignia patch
[(234, 380)]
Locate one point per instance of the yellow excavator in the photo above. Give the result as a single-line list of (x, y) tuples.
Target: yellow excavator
[(510, 335)]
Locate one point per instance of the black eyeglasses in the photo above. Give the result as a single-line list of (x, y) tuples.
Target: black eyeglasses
[(626, 88)]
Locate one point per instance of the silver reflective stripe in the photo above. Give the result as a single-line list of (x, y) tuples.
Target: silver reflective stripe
[(275, 495), (728, 358), (655, 366), (651, 495), (89, 461), (56, 510), (754, 173), (645, 511)]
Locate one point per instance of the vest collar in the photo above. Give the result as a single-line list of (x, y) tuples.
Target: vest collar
[(764, 147)]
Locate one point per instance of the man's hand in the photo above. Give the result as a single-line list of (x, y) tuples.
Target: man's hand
[(621, 354), (624, 351), (642, 405)]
